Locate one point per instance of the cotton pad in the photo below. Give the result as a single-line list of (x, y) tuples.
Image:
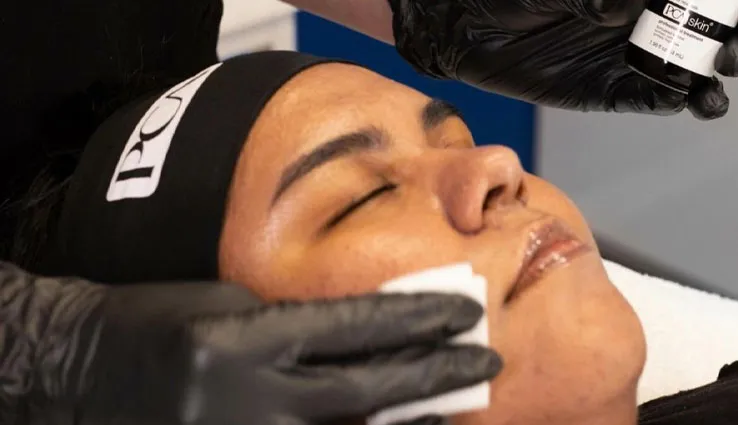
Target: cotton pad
[(453, 279)]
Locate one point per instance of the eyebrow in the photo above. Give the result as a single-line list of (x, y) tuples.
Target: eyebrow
[(371, 138), (436, 112), (433, 114)]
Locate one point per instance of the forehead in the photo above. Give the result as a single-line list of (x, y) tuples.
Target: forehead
[(328, 100), (320, 104)]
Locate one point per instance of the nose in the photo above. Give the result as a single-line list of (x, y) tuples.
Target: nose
[(474, 181)]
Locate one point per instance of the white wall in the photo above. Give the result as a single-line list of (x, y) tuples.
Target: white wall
[(666, 188), (251, 25)]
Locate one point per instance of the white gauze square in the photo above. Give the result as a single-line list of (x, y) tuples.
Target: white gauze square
[(454, 279)]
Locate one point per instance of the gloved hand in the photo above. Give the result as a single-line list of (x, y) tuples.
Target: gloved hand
[(562, 53), (211, 354)]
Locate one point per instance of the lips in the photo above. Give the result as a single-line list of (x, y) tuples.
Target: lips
[(550, 246)]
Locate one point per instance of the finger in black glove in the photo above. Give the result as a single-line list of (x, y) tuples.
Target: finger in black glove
[(427, 420), (562, 53)]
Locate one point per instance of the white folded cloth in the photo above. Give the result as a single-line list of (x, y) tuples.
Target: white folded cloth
[(690, 334)]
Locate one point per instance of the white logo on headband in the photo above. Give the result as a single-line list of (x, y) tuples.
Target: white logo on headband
[(139, 167)]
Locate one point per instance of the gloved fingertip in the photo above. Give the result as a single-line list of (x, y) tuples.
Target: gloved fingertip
[(426, 420), (487, 362), (614, 13), (466, 315), (494, 364), (726, 62), (709, 102), (639, 94)]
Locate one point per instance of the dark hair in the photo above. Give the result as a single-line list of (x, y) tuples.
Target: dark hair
[(33, 196), (32, 219)]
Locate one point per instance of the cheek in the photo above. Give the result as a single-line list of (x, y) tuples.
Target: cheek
[(359, 259)]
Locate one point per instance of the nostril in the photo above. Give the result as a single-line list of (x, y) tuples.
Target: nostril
[(492, 195), (522, 194)]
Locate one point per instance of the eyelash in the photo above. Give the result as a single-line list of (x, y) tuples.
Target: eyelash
[(360, 202)]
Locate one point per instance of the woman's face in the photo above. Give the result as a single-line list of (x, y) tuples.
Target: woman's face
[(349, 179)]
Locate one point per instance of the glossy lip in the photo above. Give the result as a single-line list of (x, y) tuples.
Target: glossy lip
[(551, 245)]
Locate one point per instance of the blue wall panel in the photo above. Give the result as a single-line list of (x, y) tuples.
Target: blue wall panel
[(493, 119)]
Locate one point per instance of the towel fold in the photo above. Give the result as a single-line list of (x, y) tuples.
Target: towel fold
[(690, 334)]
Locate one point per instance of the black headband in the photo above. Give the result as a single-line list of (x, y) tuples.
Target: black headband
[(148, 198)]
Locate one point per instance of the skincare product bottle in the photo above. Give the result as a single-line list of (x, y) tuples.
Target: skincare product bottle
[(675, 42)]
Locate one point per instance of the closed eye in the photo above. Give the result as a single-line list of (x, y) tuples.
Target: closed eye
[(354, 205)]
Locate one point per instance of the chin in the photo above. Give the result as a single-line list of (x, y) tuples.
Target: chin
[(572, 348)]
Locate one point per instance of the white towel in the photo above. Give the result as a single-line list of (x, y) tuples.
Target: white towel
[(690, 334)]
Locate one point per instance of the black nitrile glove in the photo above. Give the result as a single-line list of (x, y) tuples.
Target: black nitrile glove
[(209, 354), (562, 53)]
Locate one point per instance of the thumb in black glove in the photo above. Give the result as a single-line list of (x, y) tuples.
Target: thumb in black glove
[(562, 53), (212, 354)]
